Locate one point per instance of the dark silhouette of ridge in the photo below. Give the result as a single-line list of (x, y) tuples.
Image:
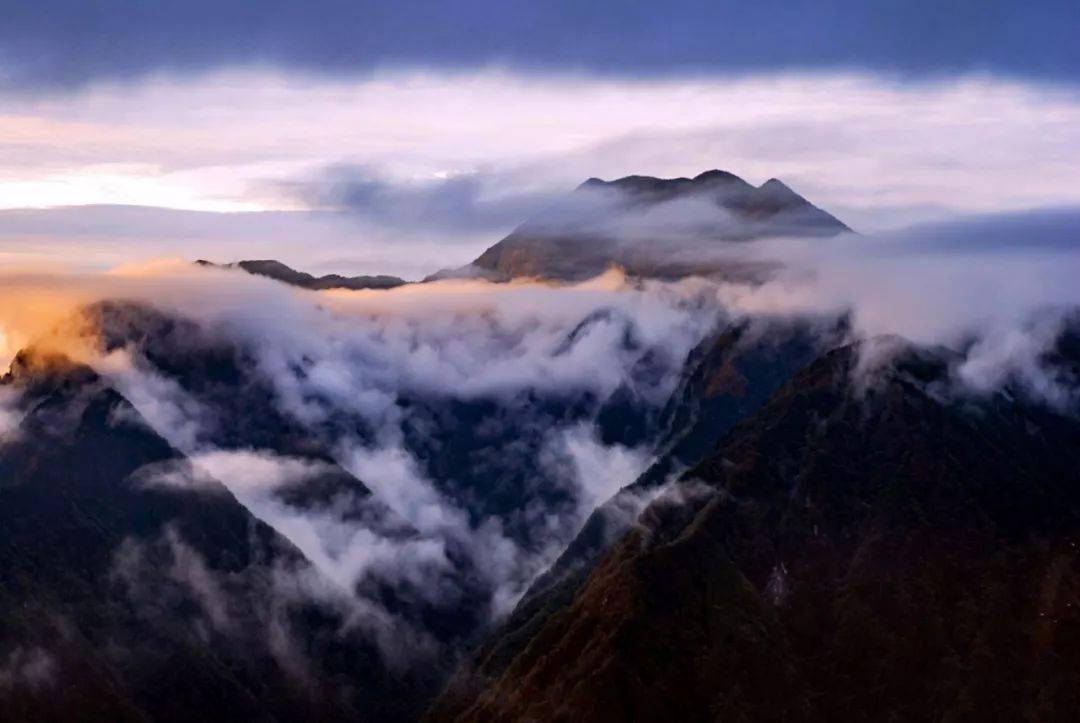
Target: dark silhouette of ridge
[(286, 274)]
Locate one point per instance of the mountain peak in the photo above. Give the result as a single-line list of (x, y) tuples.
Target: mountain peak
[(718, 176), (630, 222), (777, 185)]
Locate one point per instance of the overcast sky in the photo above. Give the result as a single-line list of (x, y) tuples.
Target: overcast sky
[(403, 137)]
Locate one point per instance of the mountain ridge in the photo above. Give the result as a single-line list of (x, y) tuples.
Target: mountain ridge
[(278, 271)]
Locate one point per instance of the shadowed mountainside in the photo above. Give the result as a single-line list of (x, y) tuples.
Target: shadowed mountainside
[(727, 378), (141, 600), (877, 553)]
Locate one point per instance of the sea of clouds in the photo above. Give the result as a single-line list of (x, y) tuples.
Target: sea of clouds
[(997, 290)]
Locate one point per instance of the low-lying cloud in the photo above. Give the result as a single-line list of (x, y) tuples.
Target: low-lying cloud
[(365, 374), (999, 289), (32, 668)]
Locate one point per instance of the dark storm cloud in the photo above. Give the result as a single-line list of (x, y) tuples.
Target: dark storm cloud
[(63, 43)]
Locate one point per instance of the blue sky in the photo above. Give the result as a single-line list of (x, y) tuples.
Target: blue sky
[(402, 137)]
